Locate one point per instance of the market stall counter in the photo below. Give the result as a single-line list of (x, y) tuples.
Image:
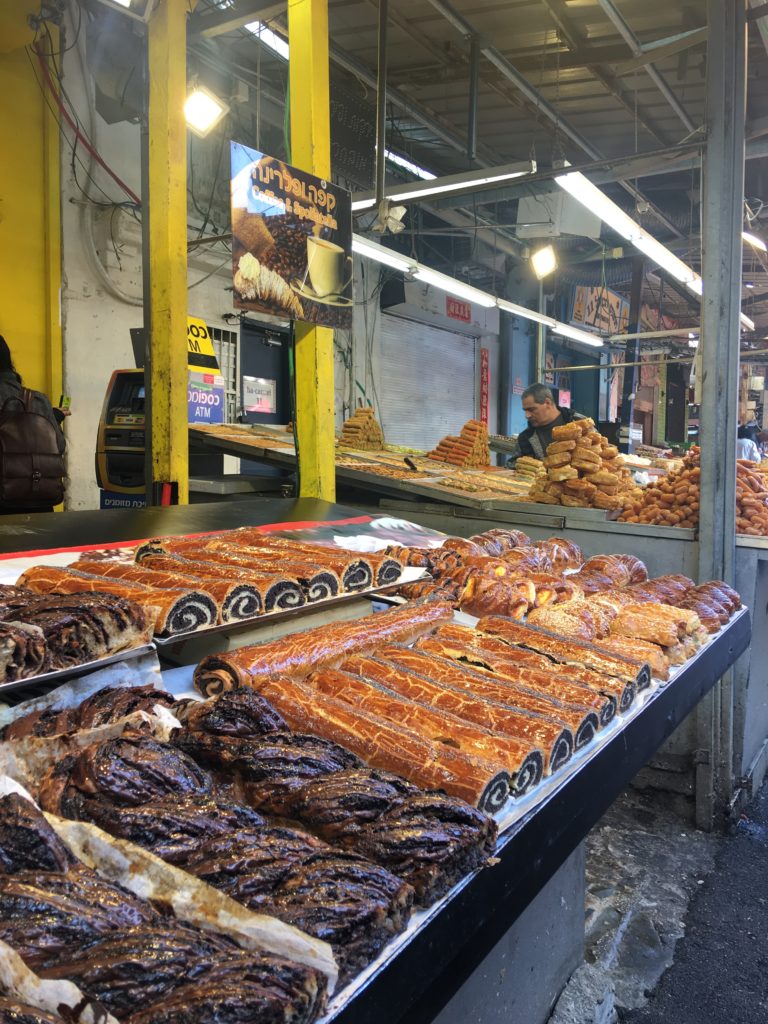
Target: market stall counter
[(450, 943)]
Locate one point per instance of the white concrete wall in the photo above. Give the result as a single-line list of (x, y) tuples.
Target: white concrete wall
[(102, 287), (99, 307)]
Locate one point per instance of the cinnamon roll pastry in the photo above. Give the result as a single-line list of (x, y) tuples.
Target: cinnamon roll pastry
[(562, 553), (166, 611), (463, 547), (721, 592), (568, 650), (509, 538), (301, 653), (491, 545), (612, 566), (483, 595), (551, 589), (484, 698), (528, 558)]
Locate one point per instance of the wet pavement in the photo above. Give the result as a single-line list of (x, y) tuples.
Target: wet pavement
[(676, 920)]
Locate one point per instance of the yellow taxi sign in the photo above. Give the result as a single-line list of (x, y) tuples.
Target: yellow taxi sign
[(201, 355)]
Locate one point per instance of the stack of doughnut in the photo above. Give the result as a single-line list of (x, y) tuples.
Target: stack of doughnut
[(582, 469)]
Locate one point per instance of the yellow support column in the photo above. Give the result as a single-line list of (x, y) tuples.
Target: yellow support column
[(167, 76), (52, 244), (311, 151)]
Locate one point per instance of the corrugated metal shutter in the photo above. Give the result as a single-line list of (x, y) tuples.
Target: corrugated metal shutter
[(428, 381)]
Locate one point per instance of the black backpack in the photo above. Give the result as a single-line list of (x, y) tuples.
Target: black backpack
[(31, 466)]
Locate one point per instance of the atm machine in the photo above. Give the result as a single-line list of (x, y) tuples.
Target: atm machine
[(120, 442)]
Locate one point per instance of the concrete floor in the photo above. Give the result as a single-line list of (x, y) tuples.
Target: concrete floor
[(676, 921)]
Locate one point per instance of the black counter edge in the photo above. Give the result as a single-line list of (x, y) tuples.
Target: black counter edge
[(418, 982)]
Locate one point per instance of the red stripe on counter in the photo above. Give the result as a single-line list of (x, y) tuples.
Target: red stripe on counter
[(110, 545)]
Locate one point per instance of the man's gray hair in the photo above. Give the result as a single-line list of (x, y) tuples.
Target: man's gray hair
[(539, 393)]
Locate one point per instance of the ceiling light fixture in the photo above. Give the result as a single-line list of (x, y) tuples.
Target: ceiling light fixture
[(381, 254), (529, 314), (590, 196), (754, 241), (450, 183), (454, 287), (576, 335), (408, 165), (544, 261), (203, 110)]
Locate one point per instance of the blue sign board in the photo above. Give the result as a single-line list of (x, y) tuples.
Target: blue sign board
[(206, 401), (114, 499)]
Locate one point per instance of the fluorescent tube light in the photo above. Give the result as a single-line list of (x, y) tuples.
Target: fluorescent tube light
[(590, 196), (203, 110), (450, 183), (381, 254), (408, 165), (754, 241), (544, 261), (373, 251), (528, 314), (583, 336), (454, 287)]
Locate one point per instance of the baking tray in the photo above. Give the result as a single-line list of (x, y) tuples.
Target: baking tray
[(62, 674), (241, 625)]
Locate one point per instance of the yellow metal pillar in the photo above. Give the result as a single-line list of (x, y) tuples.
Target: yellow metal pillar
[(311, 151), (167, 181), (52, 248)]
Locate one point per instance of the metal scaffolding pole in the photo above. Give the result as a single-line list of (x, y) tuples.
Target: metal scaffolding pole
[(722, 215)]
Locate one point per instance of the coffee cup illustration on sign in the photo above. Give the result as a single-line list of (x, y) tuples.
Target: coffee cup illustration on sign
[(328, 266)]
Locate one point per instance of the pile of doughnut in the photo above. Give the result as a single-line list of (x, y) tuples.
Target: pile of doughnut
[(583, 469)]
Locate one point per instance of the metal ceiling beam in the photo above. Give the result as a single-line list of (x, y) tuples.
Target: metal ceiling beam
[(411, 108), (600, 172), (664, 48), (540, 104), (586, 56), (575, 41), (617, 18), (204, 25)]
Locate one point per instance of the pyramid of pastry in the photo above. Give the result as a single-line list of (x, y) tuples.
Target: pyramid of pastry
[(583, 469), (469, 450), (528, 468), (363, 431)]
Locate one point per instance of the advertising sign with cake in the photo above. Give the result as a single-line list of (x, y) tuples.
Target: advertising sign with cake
[(291, 241)]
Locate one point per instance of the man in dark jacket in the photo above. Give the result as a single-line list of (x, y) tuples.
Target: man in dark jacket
[(542, 414)]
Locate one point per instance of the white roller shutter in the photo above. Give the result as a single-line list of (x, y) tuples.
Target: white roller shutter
[(427, 385)]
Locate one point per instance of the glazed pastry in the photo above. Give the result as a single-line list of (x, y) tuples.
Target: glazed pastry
[(301, 653)]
